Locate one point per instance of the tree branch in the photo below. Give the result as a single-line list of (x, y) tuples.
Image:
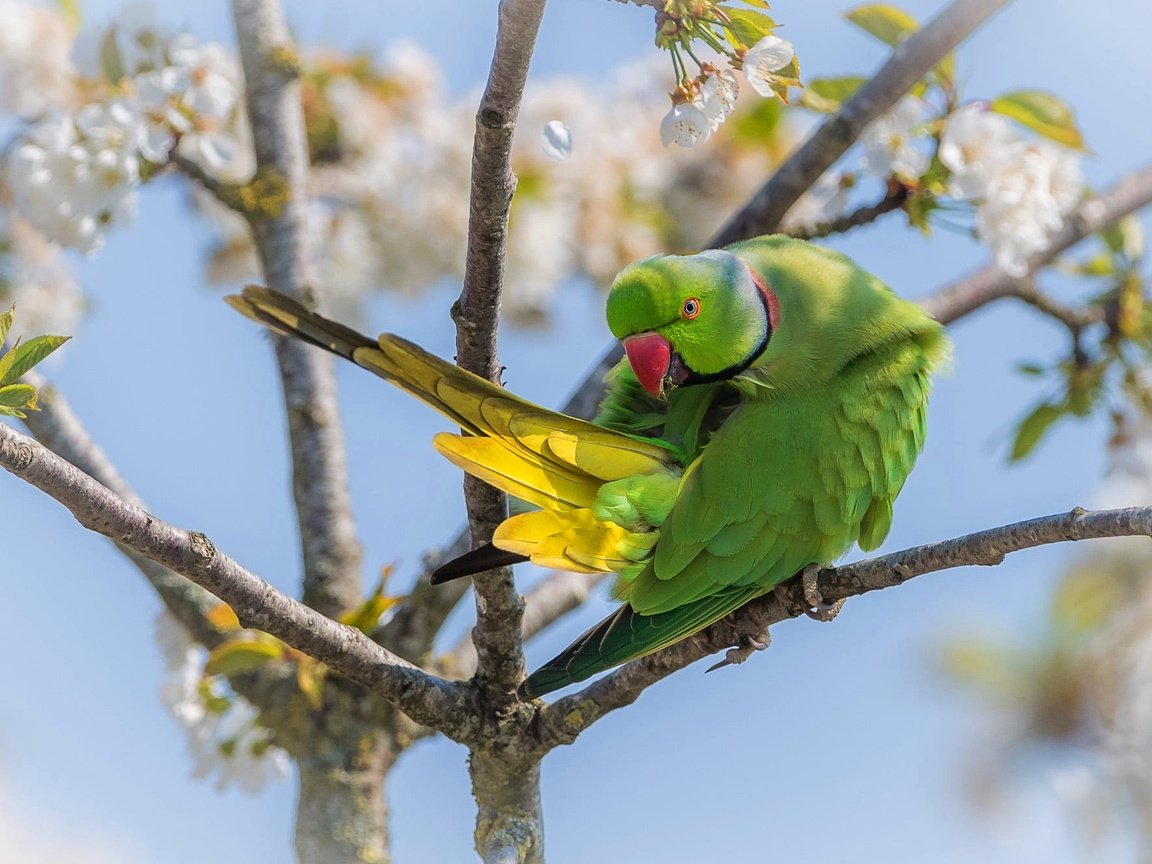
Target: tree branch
[(1075, 318), (910, 61), (60, 430), (989, 283), (498, 604), (427, 699), (895, 199), (548, 601), (330, 549), (562, 721)]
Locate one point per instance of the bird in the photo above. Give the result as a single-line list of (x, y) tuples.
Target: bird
[(770, 405)]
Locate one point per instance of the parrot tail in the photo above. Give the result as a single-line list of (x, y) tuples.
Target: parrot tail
[(627, 635), (480, 559), (288, 317)]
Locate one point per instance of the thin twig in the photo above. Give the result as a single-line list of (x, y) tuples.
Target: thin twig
[(910, 61), (498, 604), (562, 721), (1075, 318), (895, 199), (329, 545), (427, 699)]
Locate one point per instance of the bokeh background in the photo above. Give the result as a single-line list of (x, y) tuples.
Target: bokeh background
[(843, 742)]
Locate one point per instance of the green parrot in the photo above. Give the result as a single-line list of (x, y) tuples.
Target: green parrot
[(767, 413)]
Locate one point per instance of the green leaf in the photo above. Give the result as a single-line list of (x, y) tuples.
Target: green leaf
[(759, 4), (886, 23), (1043, 113), (749, 26), (365, 616), (24, 356), (1124, 237), (1033, 370), (828, 94), (1033, 427), (6, 323), (111, 61), (241, 655), (18, 396), (1101, 265)]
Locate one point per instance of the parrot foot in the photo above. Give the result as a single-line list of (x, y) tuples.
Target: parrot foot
[(748, 646), (818, 609)]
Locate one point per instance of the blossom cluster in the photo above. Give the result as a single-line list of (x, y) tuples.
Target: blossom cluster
[(1022, 188), (73, 174), (224, 735)]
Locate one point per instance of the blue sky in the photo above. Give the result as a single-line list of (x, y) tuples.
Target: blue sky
[(843, 725)]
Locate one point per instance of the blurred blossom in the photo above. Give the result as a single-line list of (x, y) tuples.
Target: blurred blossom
[(224, 735), (825, 201), (36, 72), (1022, 188), (556, 140), (890, 143), (35, 277)]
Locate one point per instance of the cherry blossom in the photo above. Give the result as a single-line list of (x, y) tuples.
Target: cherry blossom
[(764, 60)]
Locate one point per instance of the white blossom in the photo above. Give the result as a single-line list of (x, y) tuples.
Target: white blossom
[(763, 60), (976, 146), (685, 124), (717, 96), (229, 743), (1022, 188), (556, 141), (73, 186), (890, 142)]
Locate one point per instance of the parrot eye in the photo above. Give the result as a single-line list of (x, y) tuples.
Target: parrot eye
[(690, 309)]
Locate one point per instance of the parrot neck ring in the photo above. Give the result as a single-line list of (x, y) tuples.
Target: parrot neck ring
[(656, 365)]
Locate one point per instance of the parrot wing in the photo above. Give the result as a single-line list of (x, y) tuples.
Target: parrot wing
[(546, 458), (786, 483)]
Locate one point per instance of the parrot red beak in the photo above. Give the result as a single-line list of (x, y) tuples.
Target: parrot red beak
[(650, 355)]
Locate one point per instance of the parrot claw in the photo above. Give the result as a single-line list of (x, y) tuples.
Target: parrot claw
[(817, 609), (748, 646)]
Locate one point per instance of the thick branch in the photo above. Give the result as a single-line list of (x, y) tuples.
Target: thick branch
[(562, 721), (330, 549), (60, 430), (990, 283), (498, 604), (427, 699), (911, 60)]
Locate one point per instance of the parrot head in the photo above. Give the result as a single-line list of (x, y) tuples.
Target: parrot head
[(690, 319), (786, 311)]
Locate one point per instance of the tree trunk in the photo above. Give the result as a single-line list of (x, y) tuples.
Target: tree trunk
[(509, 821), (341, 814)]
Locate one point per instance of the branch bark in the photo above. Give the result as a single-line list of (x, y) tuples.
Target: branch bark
[(910, 61), (329, 545), (429, 700), (498, 604), (562, 721)]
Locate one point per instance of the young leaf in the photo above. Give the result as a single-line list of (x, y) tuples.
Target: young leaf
[(222, 617), (828, 94), (365, 616), (310, 676), (18, 396), (1032, 429), (1043, 113), (6, 323), (26, 355), (241, 655), (886, 23), (749, 26)]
